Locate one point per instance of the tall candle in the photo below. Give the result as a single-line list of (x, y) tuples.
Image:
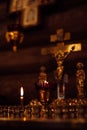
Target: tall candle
[(21, 95), (21, 92)]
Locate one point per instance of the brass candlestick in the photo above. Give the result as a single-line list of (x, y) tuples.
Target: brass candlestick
[(22, 101), (22, 96), (43, 87)]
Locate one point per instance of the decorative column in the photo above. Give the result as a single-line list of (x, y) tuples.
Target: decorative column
[(44, 87)]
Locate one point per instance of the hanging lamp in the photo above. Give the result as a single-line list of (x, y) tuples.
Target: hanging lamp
[(14, 34)]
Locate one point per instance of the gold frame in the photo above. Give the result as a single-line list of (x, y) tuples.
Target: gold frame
[(15, 5), (30, 3), (30, 16)]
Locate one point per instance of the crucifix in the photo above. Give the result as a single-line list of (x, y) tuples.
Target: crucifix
[(60, 36), (60, 52)]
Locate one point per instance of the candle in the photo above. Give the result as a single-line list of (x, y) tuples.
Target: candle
[(21, 95), (21, 92)]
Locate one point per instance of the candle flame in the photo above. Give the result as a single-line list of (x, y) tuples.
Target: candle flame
[(21, 91)]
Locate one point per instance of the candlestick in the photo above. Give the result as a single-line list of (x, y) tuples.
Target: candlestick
[(22, 100), (21, 96)]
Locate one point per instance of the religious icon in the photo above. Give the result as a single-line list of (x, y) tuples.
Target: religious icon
[(30, 16), (15, 5)]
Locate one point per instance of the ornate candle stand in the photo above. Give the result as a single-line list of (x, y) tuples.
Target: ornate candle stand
[(43, 87)]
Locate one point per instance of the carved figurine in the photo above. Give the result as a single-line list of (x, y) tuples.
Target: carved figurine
[(42, 76), (80, 79), (60, 56), (43, 87)]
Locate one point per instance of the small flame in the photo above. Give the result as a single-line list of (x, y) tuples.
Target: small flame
[(21, 91)]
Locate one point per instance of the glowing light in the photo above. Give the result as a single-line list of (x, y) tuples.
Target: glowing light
[(21, 91)]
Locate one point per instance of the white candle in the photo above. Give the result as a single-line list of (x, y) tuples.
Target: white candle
[(21, 95), (21, 92)]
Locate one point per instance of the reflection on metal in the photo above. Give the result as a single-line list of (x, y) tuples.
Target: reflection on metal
[(61, 47), (35, 108), (69, 108), (77, 47)]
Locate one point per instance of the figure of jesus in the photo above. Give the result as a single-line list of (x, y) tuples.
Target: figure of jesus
[(60, 56)]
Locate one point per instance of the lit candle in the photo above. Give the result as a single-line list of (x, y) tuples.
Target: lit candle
[(21, 91), (21, 95)]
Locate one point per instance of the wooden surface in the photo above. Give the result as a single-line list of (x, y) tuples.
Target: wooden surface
[(49, 124)]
